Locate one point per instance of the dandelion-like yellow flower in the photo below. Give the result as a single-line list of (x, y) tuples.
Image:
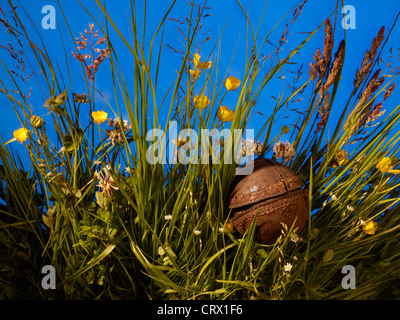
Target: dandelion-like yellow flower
[(232, 83), (21, 134), (224, 114), (385, 166), (201, 102), (99, 116), (200, 65), (370, 227)]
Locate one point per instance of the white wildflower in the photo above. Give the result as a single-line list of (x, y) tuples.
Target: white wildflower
[(295, 238), (118, 127), (106, 182), (287, 267), (284, 149), (248, 147), (196, 232), (251, 147), (168, 217)]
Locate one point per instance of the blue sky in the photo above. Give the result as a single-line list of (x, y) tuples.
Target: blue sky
[(370, 16)]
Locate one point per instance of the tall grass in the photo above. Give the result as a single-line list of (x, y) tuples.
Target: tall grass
[(115, 226)]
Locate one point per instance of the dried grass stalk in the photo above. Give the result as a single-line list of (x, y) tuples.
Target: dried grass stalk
[(362, 106), (336, 67), (369, 59), (322, 61)]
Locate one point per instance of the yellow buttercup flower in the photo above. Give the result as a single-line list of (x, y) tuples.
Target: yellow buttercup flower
[(232, 83), (200, 65), (195, 73), (201, 102), (224, 114), (99, 116), (21, 134), (385, 166), (370, 227)]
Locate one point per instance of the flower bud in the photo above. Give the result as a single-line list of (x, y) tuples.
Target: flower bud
[(285, 130), (36, 122), (80, 97)]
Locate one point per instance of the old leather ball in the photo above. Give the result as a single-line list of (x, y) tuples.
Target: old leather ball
[(275, 194)]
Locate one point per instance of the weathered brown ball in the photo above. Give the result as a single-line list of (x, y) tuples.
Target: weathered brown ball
[(273, 192)]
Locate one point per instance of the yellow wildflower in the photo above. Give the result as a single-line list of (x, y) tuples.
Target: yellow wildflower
[(232, 83), (224, 114), (99, 116), (201, 102), (21, 134), (385, 166), (200, 65), (195, 73), (181, 141), (370, 227), (340, 158)]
